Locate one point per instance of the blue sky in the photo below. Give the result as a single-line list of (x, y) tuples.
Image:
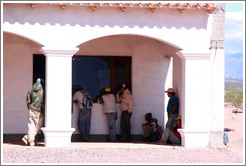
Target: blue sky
[(234, 27)]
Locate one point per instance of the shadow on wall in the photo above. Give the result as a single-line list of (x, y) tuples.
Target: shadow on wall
[(44, 14)]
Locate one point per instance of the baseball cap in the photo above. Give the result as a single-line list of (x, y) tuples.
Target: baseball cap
[(107, 89)]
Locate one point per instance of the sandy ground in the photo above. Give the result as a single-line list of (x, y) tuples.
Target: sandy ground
[(133, 153), (235, 121)]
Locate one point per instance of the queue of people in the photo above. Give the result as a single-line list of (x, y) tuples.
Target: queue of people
[(109, 100), (152, 131)]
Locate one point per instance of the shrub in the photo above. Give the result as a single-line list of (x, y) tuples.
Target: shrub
[(234, 95)]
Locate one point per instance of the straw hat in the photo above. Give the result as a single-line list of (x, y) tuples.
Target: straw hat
[(170, 90)]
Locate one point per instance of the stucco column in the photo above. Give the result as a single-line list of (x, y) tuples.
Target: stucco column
[(196, 69), (168, 84), (58, 97)]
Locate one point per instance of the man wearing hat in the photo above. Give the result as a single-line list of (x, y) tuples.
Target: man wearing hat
[(172, 107), (171, 134), (125, 101), (109, 108)]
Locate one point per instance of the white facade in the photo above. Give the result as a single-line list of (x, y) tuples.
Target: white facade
[(154, 42)]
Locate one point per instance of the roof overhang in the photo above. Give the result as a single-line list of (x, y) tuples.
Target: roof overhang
[(181, 7)]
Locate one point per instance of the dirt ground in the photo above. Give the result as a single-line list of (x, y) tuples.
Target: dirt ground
[(120, 153), (235, 121)]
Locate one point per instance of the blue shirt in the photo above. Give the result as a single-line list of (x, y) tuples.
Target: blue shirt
[(172, 101)]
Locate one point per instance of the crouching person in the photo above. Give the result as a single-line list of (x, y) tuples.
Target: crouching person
[(151, 130), (171, 134)]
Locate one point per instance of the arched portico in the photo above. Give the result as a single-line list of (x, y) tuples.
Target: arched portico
[(145, 53), (66, 31), (59, 78), (192, 136)]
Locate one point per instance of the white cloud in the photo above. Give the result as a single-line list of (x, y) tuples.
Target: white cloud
[(238, 16), (234, 31)]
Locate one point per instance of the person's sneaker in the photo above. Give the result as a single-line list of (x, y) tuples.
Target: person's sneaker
[(24, 139)]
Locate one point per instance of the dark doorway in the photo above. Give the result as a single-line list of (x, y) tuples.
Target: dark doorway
[(97, 72), (38, 67), (39, 72)]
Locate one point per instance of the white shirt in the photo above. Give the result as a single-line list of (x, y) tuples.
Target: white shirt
[(109, 104)]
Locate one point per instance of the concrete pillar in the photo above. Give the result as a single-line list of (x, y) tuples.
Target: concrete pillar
[(196, 69), (217, 98), (58, 97), (168, 84)]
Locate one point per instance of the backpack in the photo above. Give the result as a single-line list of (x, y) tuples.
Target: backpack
[(87, 100)]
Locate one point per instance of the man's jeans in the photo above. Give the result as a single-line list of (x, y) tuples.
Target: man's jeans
[(111, 125), (85, 123), (168, 135), (170, 121)]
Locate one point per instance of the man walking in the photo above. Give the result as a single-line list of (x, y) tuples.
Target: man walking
[(34, 101)]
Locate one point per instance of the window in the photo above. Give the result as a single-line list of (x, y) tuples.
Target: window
[(97, 73)]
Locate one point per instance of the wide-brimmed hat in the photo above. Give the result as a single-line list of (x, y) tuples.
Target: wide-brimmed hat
[(178, 118), (170, 90), (107, 89)]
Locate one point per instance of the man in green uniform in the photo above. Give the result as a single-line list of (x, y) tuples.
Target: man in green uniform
[(34, 101)]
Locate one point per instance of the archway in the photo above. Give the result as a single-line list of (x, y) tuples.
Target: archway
[(151, 69), (17, 77)]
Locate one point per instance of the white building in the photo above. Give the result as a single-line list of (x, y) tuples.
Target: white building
[(151, 46)]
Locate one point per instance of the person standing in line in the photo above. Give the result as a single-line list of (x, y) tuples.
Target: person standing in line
[(34, 102), (172, 107), (84, 122), (109, 108), (125, 101)]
